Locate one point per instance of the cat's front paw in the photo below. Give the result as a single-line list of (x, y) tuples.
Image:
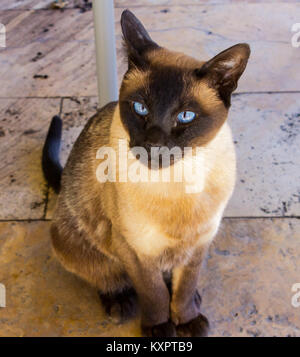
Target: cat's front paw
[(182, 311), (198, 327), (166, 329), (120, 306)]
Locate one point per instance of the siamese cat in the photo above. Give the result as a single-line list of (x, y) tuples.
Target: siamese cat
[(144, 242)]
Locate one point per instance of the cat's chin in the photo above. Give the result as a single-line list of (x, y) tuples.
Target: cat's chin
[(157, 160)]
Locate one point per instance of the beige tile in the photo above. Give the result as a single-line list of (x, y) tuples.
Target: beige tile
[(23, 127), (201, 31), (42, 298), (266, 130), (65, 54), (26, 27), (247, 280), (24, 4), (42, 4), (245, 284), (204, 31), (75, 114), (64, 71)]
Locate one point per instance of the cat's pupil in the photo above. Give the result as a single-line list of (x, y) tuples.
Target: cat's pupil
[(185, 117)]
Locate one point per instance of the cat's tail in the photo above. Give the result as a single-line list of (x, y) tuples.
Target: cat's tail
[(50, 160)]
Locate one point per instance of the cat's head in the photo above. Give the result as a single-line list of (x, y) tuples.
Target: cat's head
[(170, 99)]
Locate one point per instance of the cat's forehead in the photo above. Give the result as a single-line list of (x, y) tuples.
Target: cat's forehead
[(170, 78), (171, 72), (166, 58)]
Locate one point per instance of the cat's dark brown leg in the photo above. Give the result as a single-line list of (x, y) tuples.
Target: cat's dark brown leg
[(154, 298), (186, 301), (153, 294)]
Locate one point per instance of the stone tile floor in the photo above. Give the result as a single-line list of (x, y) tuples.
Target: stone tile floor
[(253, 263)]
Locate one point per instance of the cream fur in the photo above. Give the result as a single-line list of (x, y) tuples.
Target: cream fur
[(202, 212)]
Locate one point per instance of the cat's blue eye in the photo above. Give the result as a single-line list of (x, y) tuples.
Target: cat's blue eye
[(186, 117), (140, 109)]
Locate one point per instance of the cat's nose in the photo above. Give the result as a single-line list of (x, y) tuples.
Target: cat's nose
[(155, 136)]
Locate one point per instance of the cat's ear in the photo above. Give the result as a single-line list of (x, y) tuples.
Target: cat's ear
[(136, 38), (224, 70)]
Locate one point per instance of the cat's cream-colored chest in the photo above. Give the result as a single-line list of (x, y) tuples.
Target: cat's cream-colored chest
[(155, 226)]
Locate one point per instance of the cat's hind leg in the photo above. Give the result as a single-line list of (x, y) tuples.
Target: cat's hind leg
[(107, 275), (120, 306)]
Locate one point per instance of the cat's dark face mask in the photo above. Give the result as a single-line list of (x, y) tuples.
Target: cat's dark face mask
[(171, 100)]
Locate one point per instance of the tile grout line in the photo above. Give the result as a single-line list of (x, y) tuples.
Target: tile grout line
[(168, 5), (224, 218), (94, 96), (25, 220), (125, 6), (266, 92), (261, 217), (51, 97)]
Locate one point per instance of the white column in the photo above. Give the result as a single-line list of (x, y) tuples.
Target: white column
[(105, 51)]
